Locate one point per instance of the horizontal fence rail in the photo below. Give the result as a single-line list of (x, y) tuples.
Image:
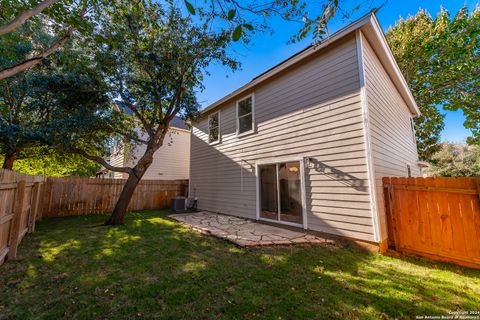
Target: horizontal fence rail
[(82, 196), (24, 199), (438, 218)]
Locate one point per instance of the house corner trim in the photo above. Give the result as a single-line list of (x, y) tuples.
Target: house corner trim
[(366, 128)]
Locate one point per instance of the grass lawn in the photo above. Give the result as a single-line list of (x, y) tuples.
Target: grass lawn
[(72, 268)]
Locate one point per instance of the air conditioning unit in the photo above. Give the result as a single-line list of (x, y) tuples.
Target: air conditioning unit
[(179, 204)]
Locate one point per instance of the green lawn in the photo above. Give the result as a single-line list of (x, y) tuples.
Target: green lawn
[(72, 268)]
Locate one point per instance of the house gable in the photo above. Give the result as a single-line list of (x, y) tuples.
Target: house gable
[(371, 29)]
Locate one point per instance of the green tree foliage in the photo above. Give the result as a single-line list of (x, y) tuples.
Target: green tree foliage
[(153, 59), (440, 59), (67, 18), (60, 20), (456, 160), (48, 162), (36, 106)]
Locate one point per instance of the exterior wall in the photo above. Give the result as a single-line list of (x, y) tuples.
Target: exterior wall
[(171, 161), (312, 110), (118, 160), (392, 139)]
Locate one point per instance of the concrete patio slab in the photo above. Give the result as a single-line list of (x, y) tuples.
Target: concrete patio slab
[(243, 232)]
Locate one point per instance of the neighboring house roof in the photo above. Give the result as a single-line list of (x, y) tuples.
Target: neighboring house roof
[(371, 30), (176, 122)]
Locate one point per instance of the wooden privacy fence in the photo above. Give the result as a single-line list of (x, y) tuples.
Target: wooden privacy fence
[(80, 196), (438, 218), (19, 206), (24, 199)]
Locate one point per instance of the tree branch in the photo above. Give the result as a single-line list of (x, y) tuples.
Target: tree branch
[(172, 114), (128, 136), (13, 70), (24, 16), (175, 99), (140, 117), (162, 131), (102, 161)]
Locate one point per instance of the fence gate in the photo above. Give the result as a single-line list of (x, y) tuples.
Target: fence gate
[(19, 205), (438, 218)]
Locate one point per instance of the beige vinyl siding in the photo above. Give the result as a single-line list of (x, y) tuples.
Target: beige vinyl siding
[(392, 139), (118, 160), (171, 161), (311, 110)]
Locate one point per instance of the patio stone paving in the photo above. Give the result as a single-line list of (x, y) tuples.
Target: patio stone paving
[(243, 232)]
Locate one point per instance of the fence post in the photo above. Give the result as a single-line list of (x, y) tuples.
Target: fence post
[(391, 208), (15, 227), (35, 206), (478, 189)]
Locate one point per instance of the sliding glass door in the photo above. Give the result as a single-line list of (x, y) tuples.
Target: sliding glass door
[(290, 192), (280, 192), (268, 192)]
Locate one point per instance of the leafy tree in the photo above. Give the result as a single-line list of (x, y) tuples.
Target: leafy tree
[(440, 59), (67, 17), (48, 162), (456, 160), (36, 104), (153, 58), (59, 19), (23, 16)]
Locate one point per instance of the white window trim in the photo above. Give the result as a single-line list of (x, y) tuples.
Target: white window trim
[(253, 130), (219, 140)]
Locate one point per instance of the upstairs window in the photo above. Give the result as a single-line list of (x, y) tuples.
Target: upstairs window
[(245, 115), (214, 127)]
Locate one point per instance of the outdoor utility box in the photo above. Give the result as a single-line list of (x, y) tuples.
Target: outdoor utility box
[(179, 204)]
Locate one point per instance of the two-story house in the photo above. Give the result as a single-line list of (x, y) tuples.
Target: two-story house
[(306, 143)]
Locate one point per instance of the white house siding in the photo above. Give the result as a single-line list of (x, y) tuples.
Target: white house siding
[(392, 138), (117, 160), (312, 110), (171, 161)]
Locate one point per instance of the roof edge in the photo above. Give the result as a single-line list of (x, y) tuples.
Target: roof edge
[(369, 19), (404, 89), (291, 61)]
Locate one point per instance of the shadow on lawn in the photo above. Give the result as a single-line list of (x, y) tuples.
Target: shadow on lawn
[(156, 268)]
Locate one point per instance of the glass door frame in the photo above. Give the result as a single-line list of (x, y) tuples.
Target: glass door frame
[(277, 162)]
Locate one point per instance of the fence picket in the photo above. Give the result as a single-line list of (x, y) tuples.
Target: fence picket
[(435, 217), (25, 199), (17, 219)]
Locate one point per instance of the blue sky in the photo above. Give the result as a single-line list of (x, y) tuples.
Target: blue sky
[(267, 50)]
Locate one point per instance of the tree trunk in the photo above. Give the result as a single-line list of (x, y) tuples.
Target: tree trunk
[(121, 206), (134, 178), (9, 160)]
